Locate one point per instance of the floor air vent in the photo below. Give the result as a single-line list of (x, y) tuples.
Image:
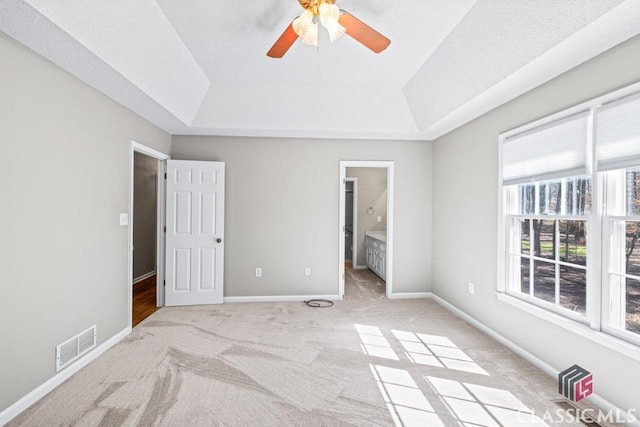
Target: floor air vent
[(75, 347)]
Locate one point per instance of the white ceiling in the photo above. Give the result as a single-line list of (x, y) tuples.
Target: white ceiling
[(200, 66)]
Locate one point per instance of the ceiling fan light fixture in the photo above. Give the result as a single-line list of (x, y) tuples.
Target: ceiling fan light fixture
[(310, 37), (303, 23), (335, 31), (328, 13)]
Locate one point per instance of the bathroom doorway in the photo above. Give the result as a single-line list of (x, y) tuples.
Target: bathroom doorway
[(372, 220)]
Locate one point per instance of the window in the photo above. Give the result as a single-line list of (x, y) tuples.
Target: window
[(570, 217), (547, 245)]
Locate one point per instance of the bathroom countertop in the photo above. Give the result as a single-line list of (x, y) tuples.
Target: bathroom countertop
[(378, 235)]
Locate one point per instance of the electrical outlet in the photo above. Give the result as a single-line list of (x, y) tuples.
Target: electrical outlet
[(472, 288), (307, 271), (258, 272), (124, 219), (379, 218)]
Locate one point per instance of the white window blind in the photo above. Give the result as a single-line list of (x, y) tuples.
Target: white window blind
[(619, 133), (553, 150)]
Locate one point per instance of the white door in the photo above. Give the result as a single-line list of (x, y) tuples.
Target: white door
[(195, 232)]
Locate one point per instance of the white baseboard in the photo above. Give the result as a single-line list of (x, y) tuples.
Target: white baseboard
[(144, 276), (409, 295), (282, 298), (539, 363), (42, 390), (359, 267)]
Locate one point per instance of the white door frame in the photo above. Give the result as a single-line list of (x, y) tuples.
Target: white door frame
[(137, 147), (344, 164), (354, 236)]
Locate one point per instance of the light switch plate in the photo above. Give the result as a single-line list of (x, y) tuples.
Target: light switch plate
[(124, 219)]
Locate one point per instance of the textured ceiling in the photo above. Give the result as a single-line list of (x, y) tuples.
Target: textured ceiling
[(200, 66)]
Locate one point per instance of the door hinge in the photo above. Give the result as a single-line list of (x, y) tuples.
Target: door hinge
[(165, 228), (164, 283), (165, 175), (344, 230), (344, 181), (342, 276)]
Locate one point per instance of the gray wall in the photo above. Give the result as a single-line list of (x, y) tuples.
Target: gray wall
[(465, 211), (65, 179), (145, 205), (372, 192), (282, 199)]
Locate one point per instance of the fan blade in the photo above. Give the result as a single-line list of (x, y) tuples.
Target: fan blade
[(282, 45), (363, 33)]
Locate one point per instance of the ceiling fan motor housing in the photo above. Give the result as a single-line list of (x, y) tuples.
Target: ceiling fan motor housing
[(314, 5)]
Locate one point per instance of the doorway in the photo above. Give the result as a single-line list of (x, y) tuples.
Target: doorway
[(146, 237), (144, 224), (374, 222)]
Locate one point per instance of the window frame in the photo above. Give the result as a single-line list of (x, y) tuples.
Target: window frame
[(555, 261), (595, 322), (607, 235)]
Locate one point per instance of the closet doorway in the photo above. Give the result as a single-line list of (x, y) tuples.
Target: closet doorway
[(145, 202), (146, 240)]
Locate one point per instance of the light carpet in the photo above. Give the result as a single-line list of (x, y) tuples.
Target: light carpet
[(366, 361)]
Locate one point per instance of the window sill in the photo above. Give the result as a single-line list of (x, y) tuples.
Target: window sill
[(627, 349)]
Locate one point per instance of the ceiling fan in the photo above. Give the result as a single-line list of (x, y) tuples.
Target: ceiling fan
[(336, 21)]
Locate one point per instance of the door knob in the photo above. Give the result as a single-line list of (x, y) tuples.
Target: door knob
[(219, 240)]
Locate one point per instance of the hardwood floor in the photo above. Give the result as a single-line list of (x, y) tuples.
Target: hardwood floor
[(144, 300)]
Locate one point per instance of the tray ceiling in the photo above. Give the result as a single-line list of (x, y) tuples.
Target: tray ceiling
[(200, 67)]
